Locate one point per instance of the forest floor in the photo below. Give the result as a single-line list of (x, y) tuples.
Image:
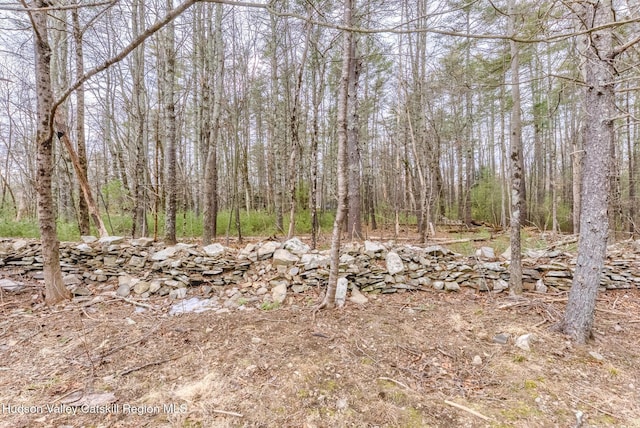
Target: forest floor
[(414, 359)]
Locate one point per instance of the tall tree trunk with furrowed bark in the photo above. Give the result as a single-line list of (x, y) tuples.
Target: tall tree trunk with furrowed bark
[(55, 290)]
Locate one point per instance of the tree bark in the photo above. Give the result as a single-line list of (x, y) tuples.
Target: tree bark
[(330, 295), (599, 107), (211, 180), (515, 267), (83, 208), (55, 290), (354, 221), (170, 111)]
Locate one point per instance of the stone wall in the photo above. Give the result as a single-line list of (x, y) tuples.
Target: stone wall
[(144, 268)]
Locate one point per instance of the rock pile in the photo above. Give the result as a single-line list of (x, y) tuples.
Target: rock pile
[(269, 270)]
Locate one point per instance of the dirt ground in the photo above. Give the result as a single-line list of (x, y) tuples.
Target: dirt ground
[(424, 359)]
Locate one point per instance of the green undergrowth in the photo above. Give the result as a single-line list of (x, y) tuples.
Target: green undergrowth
[(188, 225)]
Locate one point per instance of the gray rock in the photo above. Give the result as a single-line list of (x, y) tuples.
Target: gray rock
[(178, 293), (110, 240), (282, 257), (438, 285), (299, 288), (436, 251), (314, 261), (341, 291), (596, 356), (165, 253), (451, 286), (477, 360), (501, 338), (541, 287), (19, 245), (373, 247), (296, 246), (267, 249), (10, 285), (88, 239), (154, 286), (71, 279), (486, 253), (81, 291), (142, 242), (507, 253), (84, 248), (500, 285), (214, 250), (357, 297), (137, 261), (394, 263), (279, 292), (141, 287), (123, 290), (524, 342)]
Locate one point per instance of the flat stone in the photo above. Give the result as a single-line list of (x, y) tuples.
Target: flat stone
[(141, 287), (596, 356), (81, 291), (486, 253), (71, 279), (137, 261), (214, 250), (165, 253), (394, 263), (19, 245), (10, 285), (296, 246), (142, 242), (524, 342), (84, 248), (123, 290), (88, 239), (341, 291), (279, 292), (282, 257), (267, 249), (154, 286), (373, 247), (357, 297), (314, 261), (438, 285), (111, 240), (541, 287), (299, 288), (451, 286), (178, 293), (500, 285), (501, 338)]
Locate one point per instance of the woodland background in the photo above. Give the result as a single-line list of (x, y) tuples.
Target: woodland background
[(241, 105)]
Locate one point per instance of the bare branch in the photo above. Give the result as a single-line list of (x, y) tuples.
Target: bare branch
[(26, 8)]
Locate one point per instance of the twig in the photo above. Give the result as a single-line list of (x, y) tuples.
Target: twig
[(133, 342), (466, 409), (224, 412), (144, 366), (592, 406), (536, 325), (133, 302), (394, 381)]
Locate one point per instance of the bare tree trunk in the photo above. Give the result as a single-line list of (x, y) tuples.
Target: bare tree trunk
[(170, 134), (295, 137), (515, 267), (83, 209), (354, 221), (211, 180), (330, 295), (55, 290), (600, 109), (138, 97)]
